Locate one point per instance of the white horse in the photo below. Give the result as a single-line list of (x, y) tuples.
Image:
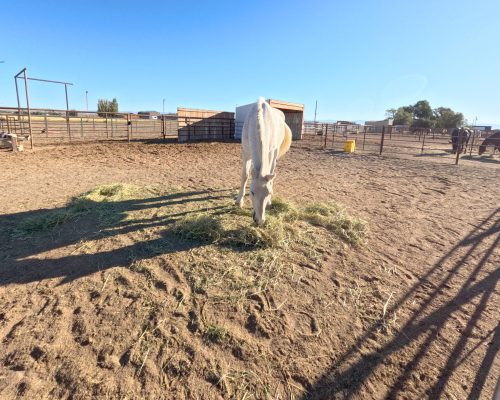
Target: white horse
[(265, 138)]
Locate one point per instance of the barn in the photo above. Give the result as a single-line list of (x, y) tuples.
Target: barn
[(294, 116)]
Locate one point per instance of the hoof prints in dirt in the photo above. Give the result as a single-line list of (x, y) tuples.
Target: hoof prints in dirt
[(155, 301)]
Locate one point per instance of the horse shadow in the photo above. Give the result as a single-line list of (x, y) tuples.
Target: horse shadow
[(39, 255)]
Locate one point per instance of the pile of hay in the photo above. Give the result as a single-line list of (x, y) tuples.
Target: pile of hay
[(229, 256)]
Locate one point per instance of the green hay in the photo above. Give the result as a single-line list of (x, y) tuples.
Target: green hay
[(336, 220), (111, 193), (45, 222), (77, 206), (283, 225)]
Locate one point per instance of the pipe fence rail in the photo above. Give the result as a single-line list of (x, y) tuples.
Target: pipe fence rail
[(49, 126), (387, 141)]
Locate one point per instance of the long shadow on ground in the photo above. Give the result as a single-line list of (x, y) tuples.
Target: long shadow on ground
[(22, 258), (475, 261)]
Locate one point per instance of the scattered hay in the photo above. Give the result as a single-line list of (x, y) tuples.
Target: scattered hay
[(281, 228), (111, 193), (45, 222), (77, 206), (335, 219), (205, 235)]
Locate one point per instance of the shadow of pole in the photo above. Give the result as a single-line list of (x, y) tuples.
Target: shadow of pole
[(426, 328)]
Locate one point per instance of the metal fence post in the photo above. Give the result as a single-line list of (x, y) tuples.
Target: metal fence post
[(423, 144), (382, 140), (67, 112), (326, 134), (163, 126), (28, 107), (128, 127), (81, 125), (364, 137)]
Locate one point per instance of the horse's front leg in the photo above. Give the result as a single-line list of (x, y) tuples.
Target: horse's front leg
[(247, 164)]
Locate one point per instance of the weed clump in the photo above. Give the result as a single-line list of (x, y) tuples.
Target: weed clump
[(216, 334)]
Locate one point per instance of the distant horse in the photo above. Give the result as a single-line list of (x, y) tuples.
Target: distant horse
[(492, 140), (460, 139)]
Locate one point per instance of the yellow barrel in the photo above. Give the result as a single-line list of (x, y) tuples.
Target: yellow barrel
[(350, 146)]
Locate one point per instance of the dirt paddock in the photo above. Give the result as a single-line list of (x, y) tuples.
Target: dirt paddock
[(409, 314)]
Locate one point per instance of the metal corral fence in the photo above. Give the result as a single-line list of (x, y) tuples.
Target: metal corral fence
[(54, 126), (388, 141), (59, 126)]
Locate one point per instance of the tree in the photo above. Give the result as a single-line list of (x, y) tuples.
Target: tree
[(421, 115), (422, 110), (408, 109), (403, 117), (390, 113), (106, 106), (421, 123), (447, 118)]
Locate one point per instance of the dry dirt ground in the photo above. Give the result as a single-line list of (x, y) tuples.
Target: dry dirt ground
[(411, 313)]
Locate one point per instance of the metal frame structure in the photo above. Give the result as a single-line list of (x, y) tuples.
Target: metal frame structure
[(26, 79)]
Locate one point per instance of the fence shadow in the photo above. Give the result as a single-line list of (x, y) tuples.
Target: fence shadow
[(348, 375), (23, 259)]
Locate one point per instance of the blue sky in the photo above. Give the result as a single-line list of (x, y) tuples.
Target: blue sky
[(357, 58)]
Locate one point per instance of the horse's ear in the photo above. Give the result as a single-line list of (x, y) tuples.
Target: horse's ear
[(270, 177)]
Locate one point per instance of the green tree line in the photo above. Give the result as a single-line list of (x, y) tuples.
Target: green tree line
[(422, 115), (107, 106)]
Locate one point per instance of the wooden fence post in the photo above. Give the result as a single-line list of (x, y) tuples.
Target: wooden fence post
[(326, 134), (472, 144), (46, 126), (382, 140)]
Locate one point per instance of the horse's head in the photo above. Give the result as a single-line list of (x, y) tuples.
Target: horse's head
[(261, 191), (482, 149)]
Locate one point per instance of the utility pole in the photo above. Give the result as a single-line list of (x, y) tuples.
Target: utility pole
[(163, 106), (315, 109), (87, 99)]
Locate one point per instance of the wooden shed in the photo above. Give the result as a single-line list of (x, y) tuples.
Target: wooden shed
[(196, 124), (294, 116)]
